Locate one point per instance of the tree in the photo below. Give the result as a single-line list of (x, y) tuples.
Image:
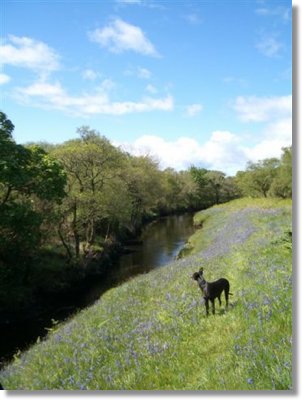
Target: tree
[(172, 197), (27, 177), (215, 180), (6, 128), (258, 177), (27, 170), (143, 179), (282, 183), (199, 176), (92, 164), (213, 186)]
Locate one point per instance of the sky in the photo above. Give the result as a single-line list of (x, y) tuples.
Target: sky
[(200, 82)]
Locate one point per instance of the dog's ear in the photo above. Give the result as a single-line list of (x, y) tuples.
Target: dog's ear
[(201, 270), (195, 276)]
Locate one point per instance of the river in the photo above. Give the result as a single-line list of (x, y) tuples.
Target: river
[(159, 244)]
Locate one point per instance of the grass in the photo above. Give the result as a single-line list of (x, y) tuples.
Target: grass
[(151, 333)]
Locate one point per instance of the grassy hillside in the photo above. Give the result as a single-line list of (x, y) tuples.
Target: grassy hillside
[(152, 333)]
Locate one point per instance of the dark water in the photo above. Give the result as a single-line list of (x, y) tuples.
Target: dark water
[(162, 240), (159, 244)]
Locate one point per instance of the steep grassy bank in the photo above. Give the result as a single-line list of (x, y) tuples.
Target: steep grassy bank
[(151, 333)]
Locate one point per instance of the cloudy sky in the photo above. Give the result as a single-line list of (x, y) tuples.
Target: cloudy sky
[(200, 82)]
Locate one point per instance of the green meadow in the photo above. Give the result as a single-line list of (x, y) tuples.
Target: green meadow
[(152, 333)]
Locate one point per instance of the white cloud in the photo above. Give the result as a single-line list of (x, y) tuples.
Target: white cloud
[(120, 36), (53, 96), (276, 114), (4, 78), (43, 89), (177, 154), (221, 152), (193, 109), (280, 129), (269, 46), (28, 53), (89, 74), (277, 134), (261, 109)]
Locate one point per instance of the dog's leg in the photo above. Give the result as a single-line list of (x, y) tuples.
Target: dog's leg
[(219, 299), (226, 293), (207, 306), (213, 306)]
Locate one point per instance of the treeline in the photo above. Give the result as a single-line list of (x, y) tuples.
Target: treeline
[(110, 194), (267, 178), (64, 207)]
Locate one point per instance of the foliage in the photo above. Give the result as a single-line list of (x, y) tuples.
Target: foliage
[(29, 178), (282, 184), (27, 170), (269, 177), (92, 165), (213, 187), (143, 181), (110, 194), (81, 199), (151, 333)]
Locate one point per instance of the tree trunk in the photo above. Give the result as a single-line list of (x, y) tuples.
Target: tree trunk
[(90, 232), (75, 231), (68, 251), (108, 230)]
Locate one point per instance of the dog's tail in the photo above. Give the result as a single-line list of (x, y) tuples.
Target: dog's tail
[(231, 294)]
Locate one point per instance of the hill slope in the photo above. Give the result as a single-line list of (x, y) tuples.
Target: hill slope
[(151, 333)]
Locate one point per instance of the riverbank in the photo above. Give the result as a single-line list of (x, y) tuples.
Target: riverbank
[(49, 277), (151, 333), (158, 244)]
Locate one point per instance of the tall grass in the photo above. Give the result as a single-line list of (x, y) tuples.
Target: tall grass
[(151, 333)]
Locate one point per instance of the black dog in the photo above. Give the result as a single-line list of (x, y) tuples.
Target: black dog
[(211, 290)]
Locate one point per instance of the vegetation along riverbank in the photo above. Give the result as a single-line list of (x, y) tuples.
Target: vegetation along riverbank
[(67, 209), (152, 333)]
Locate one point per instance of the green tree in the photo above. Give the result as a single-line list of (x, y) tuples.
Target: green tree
[(257, 179), (213, 187), (199, 176), (28, 176), (27, 170), (92, 165), (171, 194), (143, 179), (215, 180), (282, 183)]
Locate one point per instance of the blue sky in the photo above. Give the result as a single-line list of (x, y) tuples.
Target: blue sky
[(188, 82)]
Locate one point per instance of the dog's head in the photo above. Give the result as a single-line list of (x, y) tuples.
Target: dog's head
[(198, 274)]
